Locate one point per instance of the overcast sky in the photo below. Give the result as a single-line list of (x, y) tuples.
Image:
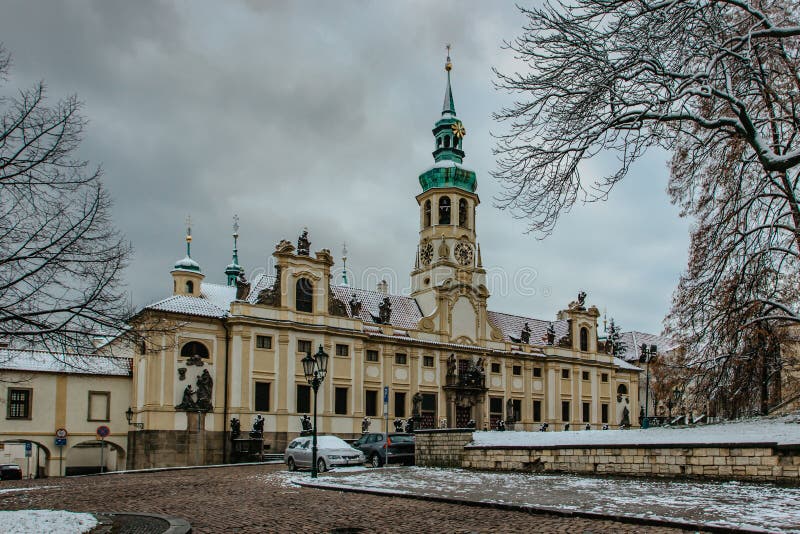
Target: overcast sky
[(319, 114)]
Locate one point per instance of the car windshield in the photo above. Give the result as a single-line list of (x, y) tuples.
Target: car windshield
[(401, 438), (332, 442)]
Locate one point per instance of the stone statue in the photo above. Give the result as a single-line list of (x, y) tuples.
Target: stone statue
[(204, 385), (236, 428), (305, 423), (355, 306), (416, 402), (451, 365), (385, 311), (187, 403), (582, 299), (626, 418), (303, 244), (510, 415), (365, 425), (551, 334), (258, 427), (398, 425), (501, 425), (410, 425), (242, 287), (525, 335)]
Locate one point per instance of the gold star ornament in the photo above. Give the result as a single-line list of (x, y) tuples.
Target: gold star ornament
[(459, 130)]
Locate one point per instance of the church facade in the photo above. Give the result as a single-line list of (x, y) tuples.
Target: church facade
[(234, 352)]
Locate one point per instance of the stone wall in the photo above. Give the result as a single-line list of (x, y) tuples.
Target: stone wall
[(174, 448), (752, 461), (441, 448)]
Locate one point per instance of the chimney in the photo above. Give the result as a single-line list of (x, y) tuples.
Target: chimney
[(383, 287)]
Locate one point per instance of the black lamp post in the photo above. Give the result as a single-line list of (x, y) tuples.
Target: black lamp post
[(315, 368), (647, 354), (129, 417)]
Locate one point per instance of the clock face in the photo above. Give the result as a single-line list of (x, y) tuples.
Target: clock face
[(463, 253), (426, 253)]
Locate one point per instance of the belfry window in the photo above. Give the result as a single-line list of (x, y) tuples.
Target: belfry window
[(190, 287), (304, 290), (444, 210), (438, 142), (427, 215), (584, 339), (462, 213), (447, 141)]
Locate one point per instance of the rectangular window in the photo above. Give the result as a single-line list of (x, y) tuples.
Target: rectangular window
[(428, 415), (372, 355), (516, 370), (495, 405), (400, 358), (585, 375), (304, 346), (537, 411), (496, 368), (263, 342), (517, 409), (370, 403), (604, 377), (604, 413), (19, 403), (99, 406), (399, 404), (340, 401), (427, 361), (565, 411), (342, 350), (303, 399), (586, 409), (565, 373), (537, 372), (262, 397)]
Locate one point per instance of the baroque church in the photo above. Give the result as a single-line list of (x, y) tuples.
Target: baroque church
[(234, 351)]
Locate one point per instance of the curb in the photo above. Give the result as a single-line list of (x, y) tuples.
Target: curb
[(177, 525), (539, 510), (176, 468)]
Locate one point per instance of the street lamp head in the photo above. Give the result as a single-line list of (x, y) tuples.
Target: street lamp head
[(653, 349), (322, 362), (308, 366), (129, 414)]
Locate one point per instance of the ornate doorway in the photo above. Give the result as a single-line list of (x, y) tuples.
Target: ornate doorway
[(463, 415)]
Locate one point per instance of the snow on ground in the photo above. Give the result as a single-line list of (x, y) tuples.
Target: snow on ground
[(757, 507), (783, 430), (37, 488), (38, 521)]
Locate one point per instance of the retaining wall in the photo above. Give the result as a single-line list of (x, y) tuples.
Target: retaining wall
[(753, 461)]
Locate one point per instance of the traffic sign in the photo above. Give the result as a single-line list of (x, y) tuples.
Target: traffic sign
[(386, 394), (60, 442), (103, 431), (61, 433), (28, 449)]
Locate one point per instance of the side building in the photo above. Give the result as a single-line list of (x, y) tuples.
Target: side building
[(235, 350)]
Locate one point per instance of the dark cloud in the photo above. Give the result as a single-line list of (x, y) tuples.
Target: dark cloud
[(318, 114)]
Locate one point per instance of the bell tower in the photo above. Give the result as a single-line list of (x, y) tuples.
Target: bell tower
[(448, 252)]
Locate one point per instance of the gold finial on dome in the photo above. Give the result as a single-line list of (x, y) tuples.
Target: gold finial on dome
[(448, 66)]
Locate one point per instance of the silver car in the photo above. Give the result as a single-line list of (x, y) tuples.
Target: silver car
[(331, 452)]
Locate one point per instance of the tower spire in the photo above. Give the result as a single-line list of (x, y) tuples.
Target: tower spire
[(449, 107), (234, 270), (344, 265), (188, 236)]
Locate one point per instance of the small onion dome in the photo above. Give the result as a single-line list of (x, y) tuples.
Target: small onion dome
[(187, 264)]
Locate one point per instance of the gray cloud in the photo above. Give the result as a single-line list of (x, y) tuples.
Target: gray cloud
[(318, 114)]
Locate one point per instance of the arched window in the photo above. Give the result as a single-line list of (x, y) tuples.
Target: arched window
[(447, 141), (427, 213), (622, 389), (190, 287), (462, 213), (438, 142), (444, 210), (194, 349), (584, 339), (303, 295)]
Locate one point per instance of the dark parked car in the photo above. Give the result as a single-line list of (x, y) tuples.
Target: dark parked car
[(379, 449), (10, 472)]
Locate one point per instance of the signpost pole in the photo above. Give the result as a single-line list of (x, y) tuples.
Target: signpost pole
[(60, 460), (102, 450)]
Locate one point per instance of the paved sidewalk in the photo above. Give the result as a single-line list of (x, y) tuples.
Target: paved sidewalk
[(717, 506)]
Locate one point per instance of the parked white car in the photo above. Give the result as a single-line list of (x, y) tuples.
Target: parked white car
[(331, 452)]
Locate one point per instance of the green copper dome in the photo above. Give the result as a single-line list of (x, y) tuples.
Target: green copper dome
[(449, 134)]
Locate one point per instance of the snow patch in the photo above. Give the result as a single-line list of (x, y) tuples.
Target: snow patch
[(37, 521)]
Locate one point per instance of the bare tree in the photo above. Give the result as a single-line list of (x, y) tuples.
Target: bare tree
[(61, 259), (717, 82)]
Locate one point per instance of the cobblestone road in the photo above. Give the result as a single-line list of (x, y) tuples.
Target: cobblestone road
[(254, 499)]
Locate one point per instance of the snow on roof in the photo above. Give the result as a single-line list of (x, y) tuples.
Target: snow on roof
[(219, 295), (512, 325), (622, 364), (405, 310), (633, 340), (782, 431), (47, 362), (189, 305)]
